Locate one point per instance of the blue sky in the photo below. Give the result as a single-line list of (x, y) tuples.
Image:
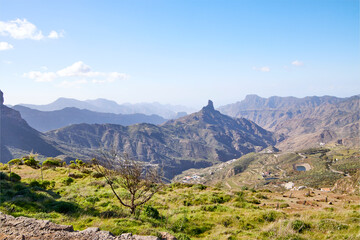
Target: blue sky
[(178, 52)]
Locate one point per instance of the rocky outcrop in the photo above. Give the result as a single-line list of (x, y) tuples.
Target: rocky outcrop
[(23, 228), (16, 137)]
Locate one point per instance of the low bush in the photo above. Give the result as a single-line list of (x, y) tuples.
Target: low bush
[(92, 199), (182, 236), (151, 212), (97, 183), (260, 196), (16, 161), (270, 216), (67, 181), (216, 198), (52, 162), (62, 207), (300, 226), (76, 175), (331, 225), (97, 175), (31, 162), (199, 186), (14, 177), (284, 205), (4, 176)]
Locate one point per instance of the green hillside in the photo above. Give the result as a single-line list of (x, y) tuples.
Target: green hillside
[(188, 211)]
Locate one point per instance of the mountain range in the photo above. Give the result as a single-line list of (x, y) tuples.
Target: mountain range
[(303, 122), (50, 120), (166, 111), (197, 140)]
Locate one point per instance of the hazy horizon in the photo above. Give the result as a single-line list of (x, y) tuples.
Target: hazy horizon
[(178, 52)]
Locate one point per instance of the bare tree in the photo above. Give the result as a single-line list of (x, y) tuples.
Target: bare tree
[(140, 180)]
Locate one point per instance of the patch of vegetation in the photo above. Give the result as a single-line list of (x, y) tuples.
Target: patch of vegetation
[(187, 211)]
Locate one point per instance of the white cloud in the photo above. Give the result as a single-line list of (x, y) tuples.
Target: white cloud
[(78, 69), (7, 61), (23, 29), (54, 35), (262, 69), (5, 46), (297, 63), (40, 76)]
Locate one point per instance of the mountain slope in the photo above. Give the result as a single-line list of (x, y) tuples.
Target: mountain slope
[(305, 122), (196, 140), (49, 120), (17, 137), (107, 106)]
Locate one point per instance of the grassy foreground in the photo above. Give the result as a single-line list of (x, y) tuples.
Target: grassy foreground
[(185, 210)]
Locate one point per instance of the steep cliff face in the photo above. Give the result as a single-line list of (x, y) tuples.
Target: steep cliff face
[(17, 135), (306, 122), (196, 140)]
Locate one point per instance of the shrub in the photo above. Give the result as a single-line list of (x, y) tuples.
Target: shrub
[(16, 161), (67, 181), (31, 162), (97, 175), (194, 229), (260, 196), (97, 183), (244, 188), (214, 208), (331, 225), (226, 221), (76, 175), (270, 216), (86, 171), (72, 165), (14, 177), (254, 201), (151, 212), (92, 199), (220, 198), (300, 226), (44, 184), (35, 183), (284, 205), (4, 176), (182, 236), (63, 207), (52, 162), (199, 186)]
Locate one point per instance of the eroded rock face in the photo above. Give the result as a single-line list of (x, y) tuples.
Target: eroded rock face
[(1, 98), (29, 228)]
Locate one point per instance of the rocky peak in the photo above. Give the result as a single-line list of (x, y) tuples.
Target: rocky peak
[(210, 106), (1, 98)]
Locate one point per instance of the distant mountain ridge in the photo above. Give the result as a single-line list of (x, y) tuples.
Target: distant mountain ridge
[(17, 137), (50, 120), (166, 111), (304, 122), (196, 140)]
